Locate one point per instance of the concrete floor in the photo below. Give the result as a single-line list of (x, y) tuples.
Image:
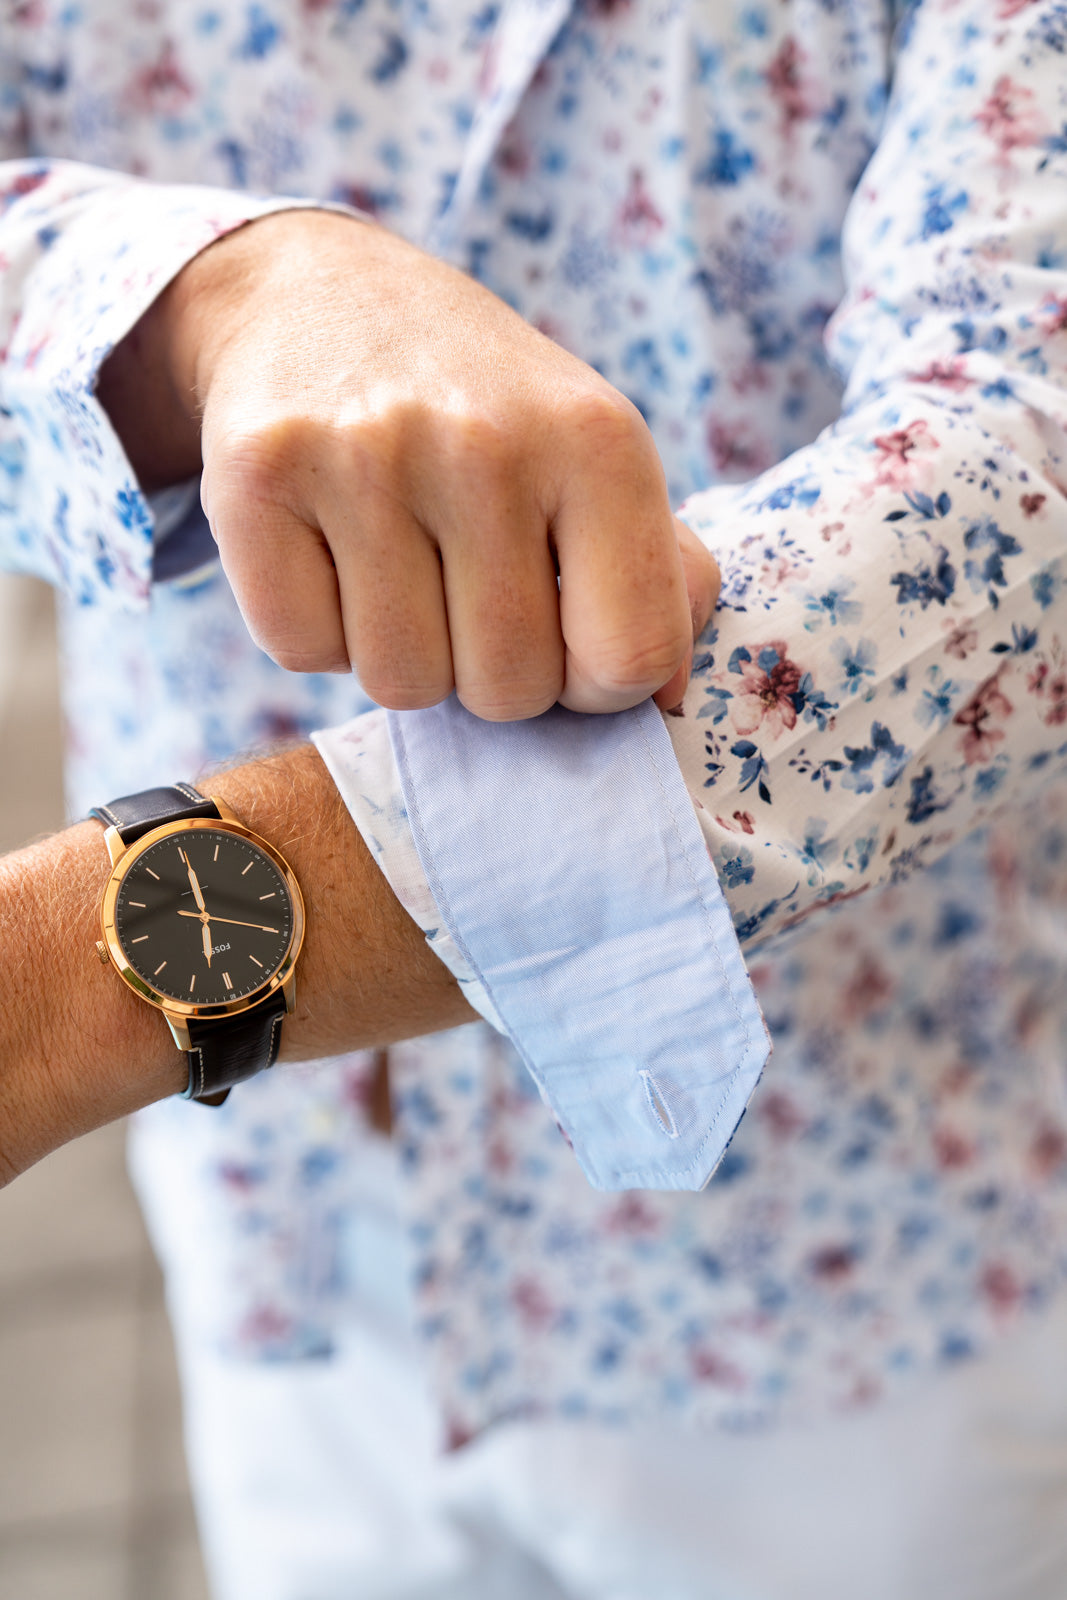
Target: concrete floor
[(94, 1501)]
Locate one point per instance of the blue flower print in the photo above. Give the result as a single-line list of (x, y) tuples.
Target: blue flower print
[(861, 761), (833, 606), (935, 703), (985, 535), (930, 583), (857, 663), (941, 210), (815, 850), (734, 866)]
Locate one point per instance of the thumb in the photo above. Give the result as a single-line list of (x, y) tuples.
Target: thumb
[(702, 582)]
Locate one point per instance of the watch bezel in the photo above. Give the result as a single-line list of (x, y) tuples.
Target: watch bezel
[(182, 1010)]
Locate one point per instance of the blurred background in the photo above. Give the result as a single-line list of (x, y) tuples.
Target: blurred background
[(94, 1501)]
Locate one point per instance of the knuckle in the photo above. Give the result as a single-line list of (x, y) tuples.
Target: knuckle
[(630, 666), (382, 438), (257, 465), (602, 420), (475, 441), (509, 702), (279, 634), (304, 657), (405, 696)]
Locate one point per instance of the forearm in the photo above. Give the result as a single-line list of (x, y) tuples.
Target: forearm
[(79, 1049)]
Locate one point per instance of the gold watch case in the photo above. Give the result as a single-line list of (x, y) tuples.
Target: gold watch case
[(177, 1012)]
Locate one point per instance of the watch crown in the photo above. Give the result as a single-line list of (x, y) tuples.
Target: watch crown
[(101, 950)]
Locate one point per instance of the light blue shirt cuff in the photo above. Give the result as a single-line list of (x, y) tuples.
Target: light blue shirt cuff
[(566, 860)]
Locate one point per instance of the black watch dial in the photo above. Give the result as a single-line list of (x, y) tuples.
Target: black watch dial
[(204, 916)]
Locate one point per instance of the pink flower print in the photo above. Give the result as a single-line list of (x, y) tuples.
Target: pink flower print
[(867, 990), (833, 1264), (1056, 714), (1048, 1150), (1054, 313), (961, 641), (952, 1150), (265, 1324), (1009, 118), (639, 220), (1001, 1287), (782, 1115), (633, 1215), (765, 698), (1031, 504), (162, 89), (1049, 681), (988, 704), (513, 156), (708, 1366), (947, 374), (532, 1303), (742, 820), (898, 466), (735, 451), (794, 94), (1012, 8)]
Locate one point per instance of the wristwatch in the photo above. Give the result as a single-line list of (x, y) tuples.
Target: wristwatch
[(204, 920)]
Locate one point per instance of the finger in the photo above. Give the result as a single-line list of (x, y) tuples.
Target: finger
[(625, 616), (703, 579), (283, 579), (393, 605), (503, 614), (702, 582)]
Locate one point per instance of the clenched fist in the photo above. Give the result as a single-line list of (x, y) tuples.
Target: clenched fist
[(405, 477)]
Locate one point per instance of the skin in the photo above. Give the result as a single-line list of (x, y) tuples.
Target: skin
[(394, 466), (79, 1049)]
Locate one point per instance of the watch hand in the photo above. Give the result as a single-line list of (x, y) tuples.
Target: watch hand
[(232, 921), (206, 926), (194, 880)]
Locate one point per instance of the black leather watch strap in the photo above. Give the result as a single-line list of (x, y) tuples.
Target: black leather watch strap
[(229, 1050), (136, 814)]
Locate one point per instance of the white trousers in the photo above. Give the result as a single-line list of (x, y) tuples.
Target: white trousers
[(322, 1481)]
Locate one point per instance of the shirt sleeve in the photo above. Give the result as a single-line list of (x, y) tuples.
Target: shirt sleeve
[(887, 669), (83, 253)]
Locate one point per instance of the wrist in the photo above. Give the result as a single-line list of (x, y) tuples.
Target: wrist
[(77, 1049)]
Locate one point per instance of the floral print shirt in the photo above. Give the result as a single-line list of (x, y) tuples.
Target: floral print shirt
[(823, 245)]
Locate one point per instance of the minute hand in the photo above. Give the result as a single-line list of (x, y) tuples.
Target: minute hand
[(232, 921)]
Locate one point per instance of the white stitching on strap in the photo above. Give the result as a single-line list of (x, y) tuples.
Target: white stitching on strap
[(189, 792), (106, 811), (275, 1042), (198, 1052)]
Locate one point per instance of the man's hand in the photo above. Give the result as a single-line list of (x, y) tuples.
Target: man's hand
[(78, 1049), (395, 467)]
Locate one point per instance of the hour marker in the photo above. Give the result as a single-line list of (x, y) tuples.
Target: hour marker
[(159, 969), (152, 874), (249, 867), (140, 939), (215, 857), (227, 980), (138, 903), (269, 896), (258, 963), (192, 983)]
